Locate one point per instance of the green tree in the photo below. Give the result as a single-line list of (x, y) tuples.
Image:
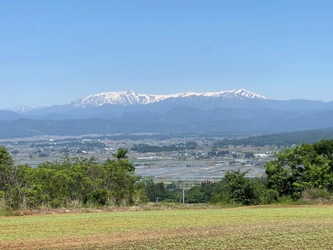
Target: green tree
[(6, 169), (302, 167), (240, 189), (156, 191), (121, 153), (194, 195), (8, 177)]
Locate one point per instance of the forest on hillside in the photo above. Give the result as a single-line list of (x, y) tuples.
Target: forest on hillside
[(280, 139)]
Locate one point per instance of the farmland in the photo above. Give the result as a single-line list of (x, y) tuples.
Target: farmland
[(273, 227), (196, 164)]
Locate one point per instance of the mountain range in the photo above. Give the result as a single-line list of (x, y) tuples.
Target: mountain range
[(236, 111)]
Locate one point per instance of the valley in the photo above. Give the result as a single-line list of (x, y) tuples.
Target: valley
[(199, 162)]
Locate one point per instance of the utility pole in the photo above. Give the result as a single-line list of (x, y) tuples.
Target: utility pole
[(183, 196)]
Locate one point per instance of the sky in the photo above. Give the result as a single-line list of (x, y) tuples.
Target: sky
[(54, 52)]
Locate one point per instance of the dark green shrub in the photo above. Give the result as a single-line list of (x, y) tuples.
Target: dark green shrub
[(56, 203), (269, 196), (99, 196)]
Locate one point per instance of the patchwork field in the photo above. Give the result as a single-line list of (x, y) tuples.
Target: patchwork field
[(298, 227)]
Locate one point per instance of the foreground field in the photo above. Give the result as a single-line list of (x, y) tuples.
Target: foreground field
[(306, 227)]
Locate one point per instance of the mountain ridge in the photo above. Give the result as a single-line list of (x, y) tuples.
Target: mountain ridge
[(132, 101), (129, 97), (225, 112), (132, 98)]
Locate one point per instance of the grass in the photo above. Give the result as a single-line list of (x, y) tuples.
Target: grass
[(296, 227)]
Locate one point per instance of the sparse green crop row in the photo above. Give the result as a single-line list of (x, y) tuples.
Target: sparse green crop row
[(306, 227)]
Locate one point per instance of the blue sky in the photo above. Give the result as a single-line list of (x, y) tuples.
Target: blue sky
[(54, 52)]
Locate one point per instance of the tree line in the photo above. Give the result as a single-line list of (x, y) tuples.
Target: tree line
[(73, 180), (279, 139)]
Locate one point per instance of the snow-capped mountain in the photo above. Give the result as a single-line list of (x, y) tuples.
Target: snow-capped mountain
[(127, 98), (124, 98), (22, 109)]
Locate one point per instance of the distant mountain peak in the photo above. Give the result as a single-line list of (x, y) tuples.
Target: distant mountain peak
[(22, 109), (129, 97)]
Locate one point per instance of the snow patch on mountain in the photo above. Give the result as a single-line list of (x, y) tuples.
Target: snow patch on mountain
[(127, 98), (22, 109)]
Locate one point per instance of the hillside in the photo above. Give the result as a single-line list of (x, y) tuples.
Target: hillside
[(281, 139)]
